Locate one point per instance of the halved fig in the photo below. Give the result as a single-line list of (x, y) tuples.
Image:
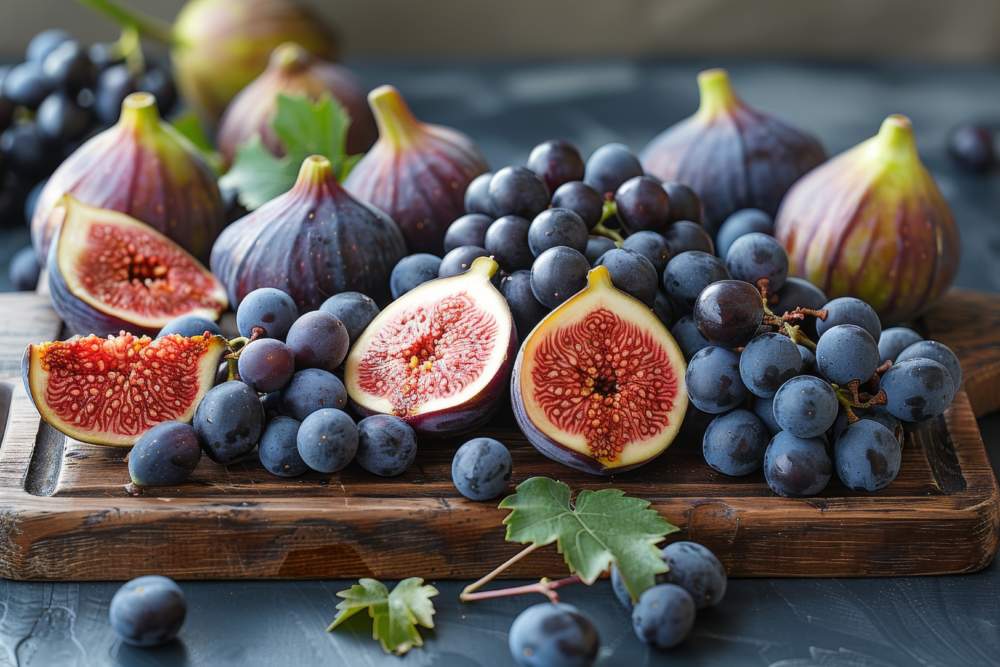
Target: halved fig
[(109, 391), (110, 272), (439, 356), (599, 384)]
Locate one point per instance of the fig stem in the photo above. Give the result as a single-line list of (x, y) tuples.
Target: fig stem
[(129, 47), (544, 587), (149, 26), (487, 578)]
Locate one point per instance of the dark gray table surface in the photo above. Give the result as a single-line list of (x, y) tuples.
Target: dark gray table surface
[(952, 620)]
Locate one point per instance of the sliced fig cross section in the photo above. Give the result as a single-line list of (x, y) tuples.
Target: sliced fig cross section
[(439, 356), (109, 391), (599, 384)]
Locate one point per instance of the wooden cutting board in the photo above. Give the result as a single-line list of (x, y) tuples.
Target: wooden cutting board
[(64, 512)]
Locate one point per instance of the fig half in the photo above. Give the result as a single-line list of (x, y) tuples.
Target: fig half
[(109, 391), (599, 384), (439, 356), (110, 272)]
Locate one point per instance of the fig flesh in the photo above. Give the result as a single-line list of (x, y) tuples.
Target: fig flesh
[(143, 167), (871, 223), (109, 391), (311, 242), (598, 385), (110, 272), (732, 155), (417, 173), (439, 356)]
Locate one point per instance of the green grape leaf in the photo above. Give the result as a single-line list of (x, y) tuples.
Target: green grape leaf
[(592, 531), (395, 616), (305, 128)]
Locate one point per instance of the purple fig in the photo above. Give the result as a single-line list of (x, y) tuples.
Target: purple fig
[(731, 155), (312, 242), (415, 172)]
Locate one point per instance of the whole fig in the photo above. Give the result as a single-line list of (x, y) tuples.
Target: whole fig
[(312, 242), (142, 167), (415, 172), (872, 223), (732, 155), (294, 71)]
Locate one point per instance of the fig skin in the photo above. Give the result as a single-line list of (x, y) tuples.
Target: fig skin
[(732, 155), (415, 172), (312, 242), (293, 71), (871, 223), (141, 167)]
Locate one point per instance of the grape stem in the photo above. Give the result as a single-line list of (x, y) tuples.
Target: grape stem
[(609, 211), (236, 346), (129, 47), (784, 323), (850, 397), (544, 586)]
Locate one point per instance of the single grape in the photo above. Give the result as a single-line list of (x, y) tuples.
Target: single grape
[(597, 246), (582, 199), (517, 191), (318, 340), (24, 270), (894, 340), (44, 43), (643, 204), (848, 310), (742, 222), (610, 166), (557, 274), (756, 256), (278, 450), (845, 353), (270, 309), (972, 148), (685, 235), (684, 202), (556, 162), (867, 456), (796, 467), (664, 616), (147, 611), (525, 308), (266, 364), (165, 455), (470, 229), (734, 443), (387, 445), (650, 245), (877, 414), (190, 325), (113, 85), (729, 312), (939, 352), (767, 361), (229, 421), (412, 271), (507, 241), (61, 120), (26, 85), (805, 406), (553, 635), (68, 67), (327, 440), (917, 389), (689, 338), (697, 570), (481, 469), (557, 227), (764, 409), (632, 273), (477, 197), (354, 309), (713, 380), (271, 404), (459, 260), (310, 390), (664, 311), (688, 273), (25, 151)]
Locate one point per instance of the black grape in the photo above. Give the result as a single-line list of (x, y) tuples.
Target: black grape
[(553, 635), (481, 469), (229, 421), (557, 227), (894, 340), (61, 120), (278, 448), (689, 338), (848, 310), (477, 197), (525, 308), (664, 616), (147, 611), (270, 309), (470, 229), (739, 223), (354, 309), (767, 361), (664, 311), (845, 353), (189, 325), (867, 456), (44, 43), (685, 235), (597, 246), (507, 241), (318, 340), (556, 162), (729, 312), (939, 352), (734, 443), (412, 271), (165, 455), (610, 166), (517, 191), (327, 440), (459, 260), (650, 245), (756, 256), (387, 445), (266, 364), (917, 389), (557, 274), (26, 85), (582, 199), (713, 380), (632, 273), (688, 273), (805, 406), (697, 570), (684, 203), (642, 204), (796, 467), (68, 67), (310, 390)]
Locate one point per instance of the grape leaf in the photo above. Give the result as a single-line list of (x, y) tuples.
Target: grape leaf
[(395, 616), (593, 531), (305, 128)]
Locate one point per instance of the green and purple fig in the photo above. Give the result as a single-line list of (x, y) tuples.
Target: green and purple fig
[(312, 242), (731, 154), (415, 172), (141, 167), (872, 223), (293, 71)]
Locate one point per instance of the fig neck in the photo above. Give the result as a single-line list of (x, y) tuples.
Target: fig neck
[(396, 124), (139, 114), (599, 276), (484, 266), (895, 142), (289, 58), (717, 95), (316, 178)]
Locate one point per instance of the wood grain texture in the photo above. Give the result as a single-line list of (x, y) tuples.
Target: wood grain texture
[(64, 512)]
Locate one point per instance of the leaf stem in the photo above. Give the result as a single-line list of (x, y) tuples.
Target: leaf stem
[(487, 578), (544, 587), (149, 26)]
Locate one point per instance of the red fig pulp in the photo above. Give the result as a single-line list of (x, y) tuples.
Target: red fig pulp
[(144, 168), (415, 172), (312, 242)]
